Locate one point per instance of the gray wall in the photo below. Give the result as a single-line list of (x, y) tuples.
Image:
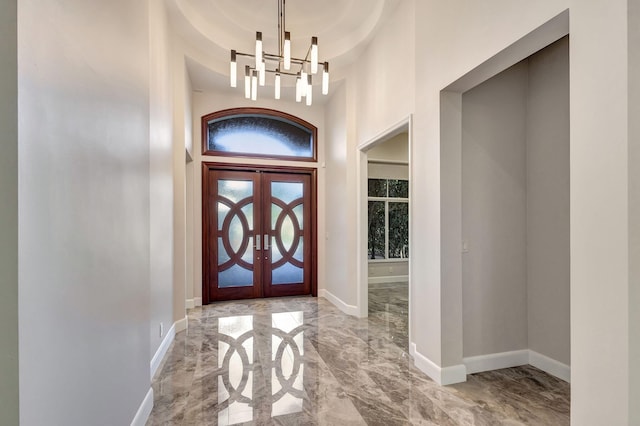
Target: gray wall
[(494, 271), (84, 211), (8, 214), (548, 202), (516, 209)]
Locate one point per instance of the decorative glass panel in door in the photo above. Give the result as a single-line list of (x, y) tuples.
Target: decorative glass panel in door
[(233, 234), (288, 235)]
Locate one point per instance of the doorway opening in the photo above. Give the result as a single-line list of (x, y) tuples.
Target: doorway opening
[(384, 243)]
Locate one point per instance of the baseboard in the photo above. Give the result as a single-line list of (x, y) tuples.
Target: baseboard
[(144, 411), (550, 365), (441, 375), (347, 309), (197, 301), (389, 279), (162, 350), (478, 364), (181, 325), (189, 304)]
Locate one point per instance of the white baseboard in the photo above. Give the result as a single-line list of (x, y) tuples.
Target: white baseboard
[(189, 304), (550, 365), (478, 364), (181, 325), (389, 279), (144, 411), (162, 350), (441, 375), (197, 301), (346, 308)]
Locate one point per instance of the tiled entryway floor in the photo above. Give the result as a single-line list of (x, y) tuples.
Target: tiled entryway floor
[(300, 361)]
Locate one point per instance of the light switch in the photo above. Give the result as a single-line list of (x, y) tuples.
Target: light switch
[(465, 246)]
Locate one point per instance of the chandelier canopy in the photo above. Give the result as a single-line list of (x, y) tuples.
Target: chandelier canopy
[(280, 64)]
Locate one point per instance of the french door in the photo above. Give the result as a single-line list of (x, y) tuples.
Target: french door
[(258, 232)]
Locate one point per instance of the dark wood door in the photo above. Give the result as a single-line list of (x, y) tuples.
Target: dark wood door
[(258, 238)]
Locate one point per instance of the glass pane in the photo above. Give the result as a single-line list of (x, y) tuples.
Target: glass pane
[(248, 213), (275, 212), (260, 135), (287, 274), (398, 230), (235, 190), (223, 256), (286, 233), (376, 230), (223, 210), (299, 254), (299, 212), (377, 187), (398, 188), (236, 234), (236, 276), (286, 191)]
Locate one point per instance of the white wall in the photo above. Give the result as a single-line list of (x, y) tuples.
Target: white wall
[(340, 236), (161, 200), (600, 220), (548, 260), (395, 149), (84, 211), (9, 213), (634, 209), (208, 102), (494, 203)]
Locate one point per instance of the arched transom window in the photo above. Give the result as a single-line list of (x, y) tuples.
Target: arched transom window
[(258, 132)]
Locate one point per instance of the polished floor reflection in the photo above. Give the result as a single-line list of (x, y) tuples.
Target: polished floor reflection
[(300, 361)]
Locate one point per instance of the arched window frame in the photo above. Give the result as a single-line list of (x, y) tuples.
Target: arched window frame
[(264, 112)]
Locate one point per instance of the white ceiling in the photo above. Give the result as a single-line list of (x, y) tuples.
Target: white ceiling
[(211, 28)]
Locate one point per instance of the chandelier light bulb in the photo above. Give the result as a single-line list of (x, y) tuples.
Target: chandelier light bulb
[(325, 78), (277, 84), (247, 82), (287, 50), (309, 90), (254, 85), (298, 88), (258, 49), (314, 55), (233, 70), (262, 73)]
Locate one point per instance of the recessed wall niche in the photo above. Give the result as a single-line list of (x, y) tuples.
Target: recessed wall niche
[(515, 216)]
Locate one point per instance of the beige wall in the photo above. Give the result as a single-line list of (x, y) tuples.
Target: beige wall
[(84, 211), (8, 214), (395, 149)]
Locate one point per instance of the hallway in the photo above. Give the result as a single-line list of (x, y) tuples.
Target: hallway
[(300, 360)]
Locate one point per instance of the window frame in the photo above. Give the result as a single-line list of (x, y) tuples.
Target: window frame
[(264, 112), (386, 201)]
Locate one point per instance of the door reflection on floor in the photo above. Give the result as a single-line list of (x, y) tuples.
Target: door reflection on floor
[(245, 389)]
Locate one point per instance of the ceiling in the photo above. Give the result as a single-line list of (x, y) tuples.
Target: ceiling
[(211, 28)]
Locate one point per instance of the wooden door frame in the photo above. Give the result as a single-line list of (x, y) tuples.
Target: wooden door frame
[(311, 171)]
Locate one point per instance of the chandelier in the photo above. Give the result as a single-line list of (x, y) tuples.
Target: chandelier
[(281, 64)]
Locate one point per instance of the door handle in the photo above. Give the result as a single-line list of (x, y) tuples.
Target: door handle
[(257, 237), (266, 241)]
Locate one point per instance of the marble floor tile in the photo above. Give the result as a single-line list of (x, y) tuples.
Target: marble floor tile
[(300, 361)]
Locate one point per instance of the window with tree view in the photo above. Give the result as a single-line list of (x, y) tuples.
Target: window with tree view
[(388, 219)]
